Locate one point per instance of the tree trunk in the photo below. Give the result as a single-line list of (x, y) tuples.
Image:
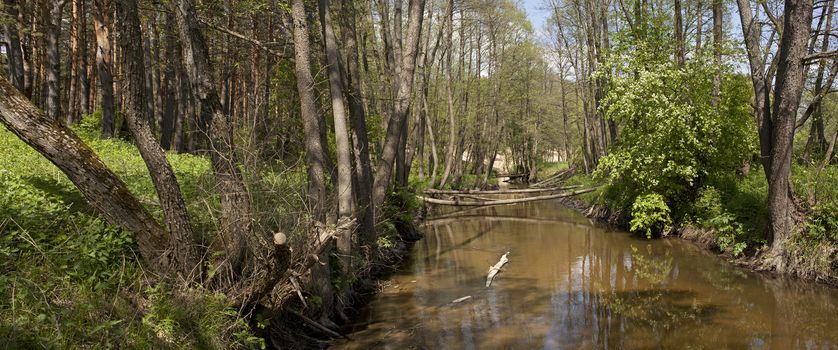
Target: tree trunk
[(98, 184), (236, 214), (358, 125), (104, 66), (680, 50), (717, 52), (13, 47), (315, 149), (175, 216), (787, 92), (344, 162), (450, 150), (402, 102), (52, 33)]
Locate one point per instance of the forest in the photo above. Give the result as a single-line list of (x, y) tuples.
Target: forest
[(241, 173)]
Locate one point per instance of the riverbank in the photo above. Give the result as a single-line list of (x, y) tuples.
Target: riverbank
[(70, 280), (570, 283), (807, 256)]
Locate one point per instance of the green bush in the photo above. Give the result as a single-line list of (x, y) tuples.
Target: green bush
[(650, 214)]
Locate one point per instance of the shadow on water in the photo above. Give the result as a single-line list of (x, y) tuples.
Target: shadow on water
[(573, 285)]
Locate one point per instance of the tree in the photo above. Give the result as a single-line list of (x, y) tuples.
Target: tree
[(162, 175), (344, 162), (52, 15), (15, 51), (104, 65), (98, 184), (788, 89), (315, 147), (401, 104)]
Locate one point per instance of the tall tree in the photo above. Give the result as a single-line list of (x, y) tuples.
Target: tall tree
[(104, 65), (788, 88), (395, 125), (162, 175), (344, 162), (357, 122), (315, 148), (13, 45), (52, 15), (236, 213)]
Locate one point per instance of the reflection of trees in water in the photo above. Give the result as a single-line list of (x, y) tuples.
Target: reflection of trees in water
[(650, 268), (659, 310)]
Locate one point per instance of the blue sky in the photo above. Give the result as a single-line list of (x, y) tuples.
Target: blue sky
[(536, 13)]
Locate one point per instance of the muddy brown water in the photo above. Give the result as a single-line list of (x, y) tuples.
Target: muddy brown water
[(571, 284)]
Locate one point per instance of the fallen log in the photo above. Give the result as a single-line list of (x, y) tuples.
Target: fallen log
[(493, 270), (510, 191), (555, 178), (460, 300), (502, 201)]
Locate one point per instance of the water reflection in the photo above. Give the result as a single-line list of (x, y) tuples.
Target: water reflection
[(572, 285)]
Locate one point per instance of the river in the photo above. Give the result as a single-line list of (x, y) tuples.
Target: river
[(573, 284)]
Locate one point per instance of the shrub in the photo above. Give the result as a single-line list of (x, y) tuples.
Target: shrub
[(650, 214)]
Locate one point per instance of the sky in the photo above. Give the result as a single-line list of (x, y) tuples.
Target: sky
[(536, 13)]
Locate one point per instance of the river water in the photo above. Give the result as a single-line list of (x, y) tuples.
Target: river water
[(571, 284)]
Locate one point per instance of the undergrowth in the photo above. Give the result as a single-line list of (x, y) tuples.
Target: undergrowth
[(70, 280)]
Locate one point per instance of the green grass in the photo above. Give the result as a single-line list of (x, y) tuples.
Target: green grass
[(70, 280)]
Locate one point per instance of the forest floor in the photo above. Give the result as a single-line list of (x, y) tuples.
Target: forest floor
[(70, 280)]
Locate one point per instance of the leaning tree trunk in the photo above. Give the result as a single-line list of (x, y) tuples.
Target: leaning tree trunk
[(98, 184), (787, 92), (175, 216)]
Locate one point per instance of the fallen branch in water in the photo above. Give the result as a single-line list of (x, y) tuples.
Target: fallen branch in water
[(509, 191), (555, 178), (460, 300), (502, 201), (495, 269)]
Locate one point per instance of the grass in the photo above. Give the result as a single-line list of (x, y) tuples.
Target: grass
[(70, 280)]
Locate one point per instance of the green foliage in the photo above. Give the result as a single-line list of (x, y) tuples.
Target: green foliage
[(70, 280), (196, 319), (650, 214), (672, 139), (730, 233)]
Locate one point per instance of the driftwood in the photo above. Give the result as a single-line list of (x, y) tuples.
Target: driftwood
[(555, 178), (502, 201), (460, 300), (493, 270), (509, 191)]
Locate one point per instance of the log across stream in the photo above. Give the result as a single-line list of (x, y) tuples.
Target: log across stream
[(570, 284)]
